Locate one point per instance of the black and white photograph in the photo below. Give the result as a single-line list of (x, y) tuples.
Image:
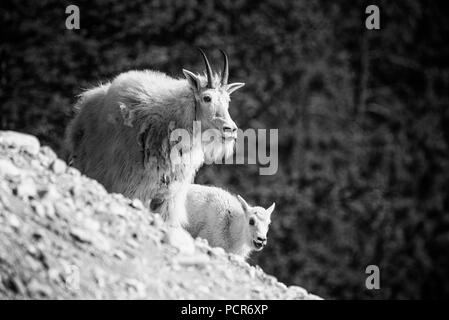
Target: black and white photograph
[(238, 151)]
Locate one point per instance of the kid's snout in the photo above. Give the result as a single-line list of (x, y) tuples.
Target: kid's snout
[(260, 243)]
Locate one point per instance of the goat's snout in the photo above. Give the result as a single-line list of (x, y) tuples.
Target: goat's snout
[(230, 127), (230, 130)]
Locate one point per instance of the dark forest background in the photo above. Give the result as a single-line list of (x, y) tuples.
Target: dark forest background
[(362, 114)]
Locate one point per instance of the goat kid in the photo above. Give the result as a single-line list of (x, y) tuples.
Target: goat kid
[(226, 221)]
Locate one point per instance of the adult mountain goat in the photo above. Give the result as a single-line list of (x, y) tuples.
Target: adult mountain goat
[(122, 135), (225, 220)]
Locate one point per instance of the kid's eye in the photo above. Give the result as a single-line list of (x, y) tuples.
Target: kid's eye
[(252, 222), (207, 99)]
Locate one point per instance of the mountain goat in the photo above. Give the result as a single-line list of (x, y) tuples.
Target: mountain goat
[(121, 135), (225, 220)]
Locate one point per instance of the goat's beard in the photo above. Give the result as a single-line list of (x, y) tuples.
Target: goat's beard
[(216, 150)]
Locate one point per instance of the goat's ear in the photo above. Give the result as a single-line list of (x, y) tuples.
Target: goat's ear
[(244, 203), (234, 86), (271, 208), (193, 79)]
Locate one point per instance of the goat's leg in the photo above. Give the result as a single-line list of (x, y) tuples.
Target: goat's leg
[(173, 209)]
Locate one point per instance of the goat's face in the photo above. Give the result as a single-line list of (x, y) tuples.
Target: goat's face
[(212, 96), (258, 221)]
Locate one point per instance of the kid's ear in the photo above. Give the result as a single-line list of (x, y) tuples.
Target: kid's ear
[(234, 86), (244, 203), (271, 208), (193, 79)]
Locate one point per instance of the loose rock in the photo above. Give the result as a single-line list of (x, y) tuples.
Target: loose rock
[(20, 140), (8, 169), (180, 239), (26, 188), (58, 166)]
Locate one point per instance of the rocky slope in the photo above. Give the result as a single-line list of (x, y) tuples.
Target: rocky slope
[(63, 236)]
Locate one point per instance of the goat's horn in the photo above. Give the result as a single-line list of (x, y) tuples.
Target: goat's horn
[(225, 75), (208, 69)]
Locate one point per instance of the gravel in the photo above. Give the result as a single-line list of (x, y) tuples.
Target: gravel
[(63, 236)]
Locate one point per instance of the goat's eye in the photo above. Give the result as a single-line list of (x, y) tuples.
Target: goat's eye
[(252, 222), (207, 99)]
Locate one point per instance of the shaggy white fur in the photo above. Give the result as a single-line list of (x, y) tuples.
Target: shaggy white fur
[(121, 135), (225, 220)]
